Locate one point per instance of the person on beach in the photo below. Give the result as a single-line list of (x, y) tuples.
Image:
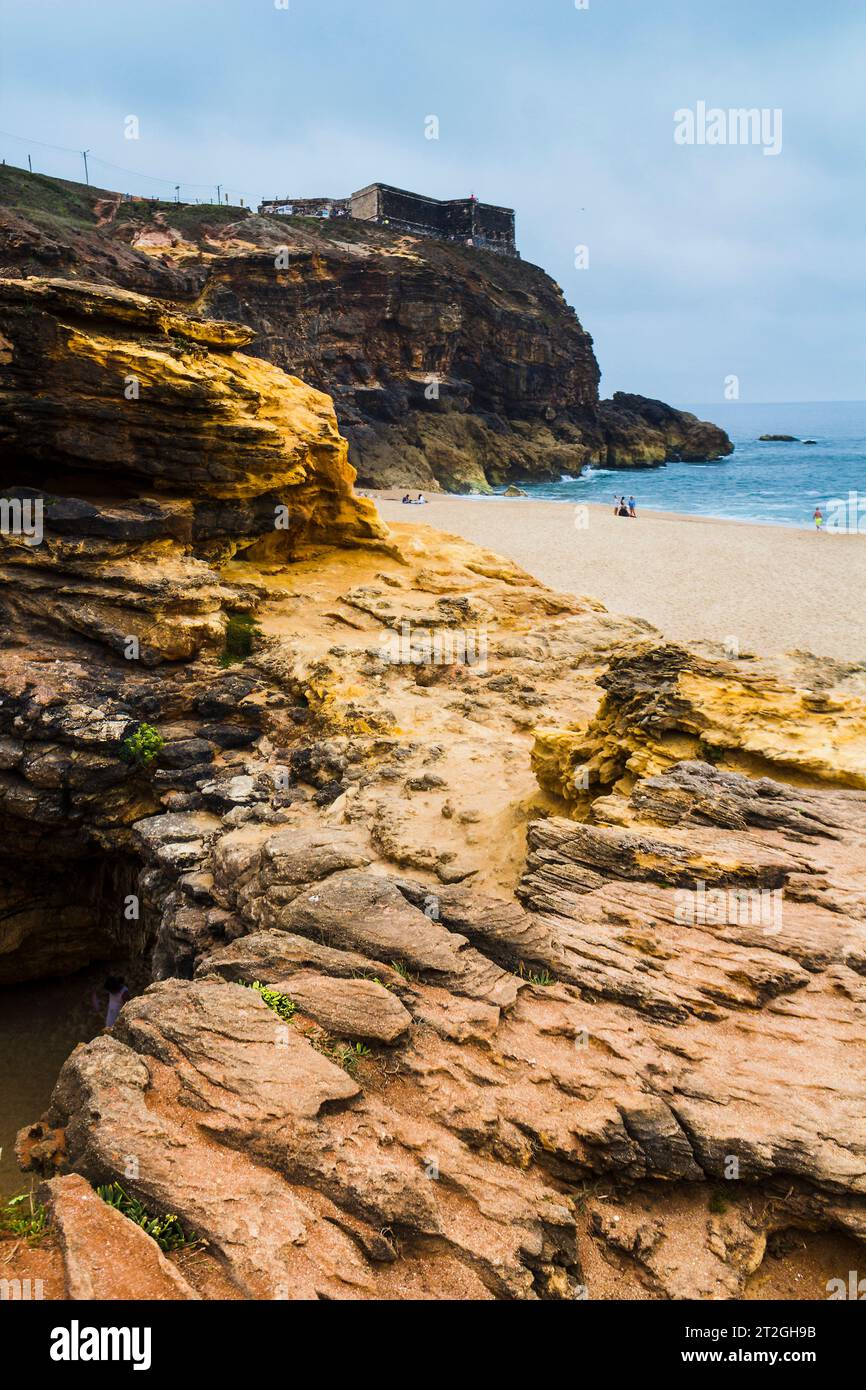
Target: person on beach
[(818, 519), (118, 993), (623, 508), (421, 499), (632, 507)]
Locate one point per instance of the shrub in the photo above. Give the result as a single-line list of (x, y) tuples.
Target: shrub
[(240, 639), (280, 1003), (143, 746)]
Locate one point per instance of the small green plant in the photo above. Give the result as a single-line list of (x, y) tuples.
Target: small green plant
[(143, 746), (718, 1204), (29, 1222), (280, 1003), (542, 978), (401, 970), (373, 979), (240, 639), (345, 1055), (165, 1230), (348, 1055)]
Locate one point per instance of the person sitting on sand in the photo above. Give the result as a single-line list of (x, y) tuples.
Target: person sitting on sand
[(623, 509), (818, 519), (422, 500)]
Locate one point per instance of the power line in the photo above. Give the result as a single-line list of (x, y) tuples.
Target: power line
[(116, 168)]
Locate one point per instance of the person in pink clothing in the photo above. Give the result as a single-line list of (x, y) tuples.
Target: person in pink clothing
[(116, 988)]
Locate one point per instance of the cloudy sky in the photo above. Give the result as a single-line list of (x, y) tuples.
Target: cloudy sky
[(705, 261)]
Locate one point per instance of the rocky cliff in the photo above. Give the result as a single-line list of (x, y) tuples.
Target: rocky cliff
[(497, 949), (521, 1054), (448, 367), (152, 447), (139, 451)]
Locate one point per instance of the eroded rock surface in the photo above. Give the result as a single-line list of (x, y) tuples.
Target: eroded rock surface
[(153, 447), (419, 1027), (106, 1257)]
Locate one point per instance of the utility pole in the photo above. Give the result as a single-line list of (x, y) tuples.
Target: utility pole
[(84, 154), (30, 164), (177, 193), (219, 194)]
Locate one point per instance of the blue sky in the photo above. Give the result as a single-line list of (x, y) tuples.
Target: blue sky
[(704, 262)]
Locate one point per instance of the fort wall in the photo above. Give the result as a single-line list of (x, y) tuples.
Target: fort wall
[(463, 220)]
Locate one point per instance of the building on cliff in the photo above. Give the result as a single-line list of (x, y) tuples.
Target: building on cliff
[(463, 220)]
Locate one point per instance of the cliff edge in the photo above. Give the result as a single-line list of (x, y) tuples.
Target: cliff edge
[(449, 367)]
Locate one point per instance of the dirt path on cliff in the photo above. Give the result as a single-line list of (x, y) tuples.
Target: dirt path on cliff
[(769, 588)]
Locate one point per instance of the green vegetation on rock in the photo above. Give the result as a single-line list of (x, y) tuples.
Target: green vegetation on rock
[(143, 746), (28, 1222), (165, 1230), (240, 639)]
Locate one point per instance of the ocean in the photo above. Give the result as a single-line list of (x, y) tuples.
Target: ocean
[(778, 484)]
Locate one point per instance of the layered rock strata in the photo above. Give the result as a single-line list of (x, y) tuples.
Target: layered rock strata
[(583, 1086), (449, 367)]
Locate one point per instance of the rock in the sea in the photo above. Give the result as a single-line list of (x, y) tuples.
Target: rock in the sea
[(644, 433)]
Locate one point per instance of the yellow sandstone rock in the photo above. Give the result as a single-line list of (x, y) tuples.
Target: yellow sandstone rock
[(664, 705)]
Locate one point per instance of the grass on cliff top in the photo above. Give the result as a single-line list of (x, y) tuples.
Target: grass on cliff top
[(192, 218), (52, 202), (71, 203)]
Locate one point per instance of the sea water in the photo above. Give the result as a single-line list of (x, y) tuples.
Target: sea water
[(778, 484)]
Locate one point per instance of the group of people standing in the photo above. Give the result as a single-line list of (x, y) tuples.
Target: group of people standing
[(621, 507)]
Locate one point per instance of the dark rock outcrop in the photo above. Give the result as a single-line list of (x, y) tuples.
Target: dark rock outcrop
[(641, 432)]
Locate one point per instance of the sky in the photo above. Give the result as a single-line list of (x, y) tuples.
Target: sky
[(709, 269)]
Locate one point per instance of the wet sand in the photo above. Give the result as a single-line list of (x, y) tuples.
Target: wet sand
[(769, 589)]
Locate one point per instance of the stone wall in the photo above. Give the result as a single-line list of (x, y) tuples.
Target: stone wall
[(455, 219)]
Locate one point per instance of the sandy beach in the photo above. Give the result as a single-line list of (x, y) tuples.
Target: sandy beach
[(769, 588)]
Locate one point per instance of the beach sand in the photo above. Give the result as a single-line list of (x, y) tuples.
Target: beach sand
[(770, 589)]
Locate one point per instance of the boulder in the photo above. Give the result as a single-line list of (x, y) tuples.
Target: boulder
[(107, 1257)]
